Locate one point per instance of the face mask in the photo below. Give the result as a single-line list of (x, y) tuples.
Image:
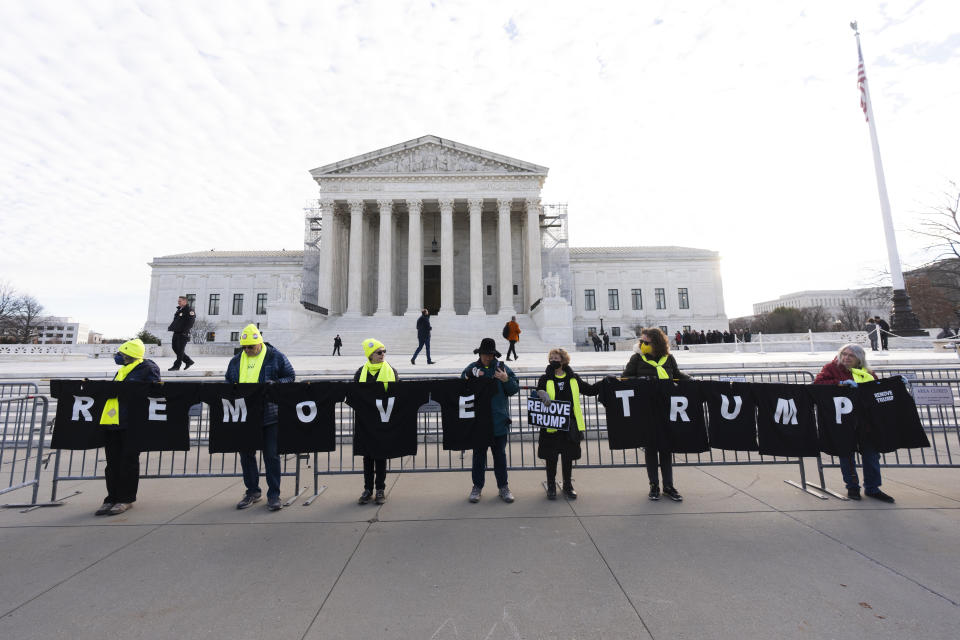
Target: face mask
[(118, 358), (646, 349), (555, 364)]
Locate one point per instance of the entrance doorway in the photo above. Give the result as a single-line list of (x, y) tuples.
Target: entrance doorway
[(431, 288)]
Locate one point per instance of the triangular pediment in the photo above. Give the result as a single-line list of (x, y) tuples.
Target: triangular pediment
[(428, 155)]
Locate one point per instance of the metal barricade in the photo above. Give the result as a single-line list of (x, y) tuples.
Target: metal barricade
[(198, 462), (522, 439), (22, 431), (8, 389)]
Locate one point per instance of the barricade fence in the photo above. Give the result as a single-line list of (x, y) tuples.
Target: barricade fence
[(940, 422), (23, 418)]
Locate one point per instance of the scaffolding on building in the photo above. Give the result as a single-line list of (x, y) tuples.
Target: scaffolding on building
[(312, 227), (555, 247)]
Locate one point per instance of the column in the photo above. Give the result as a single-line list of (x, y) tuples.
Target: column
[(385, 260), (355, 276), (476, 257), (414, 259), (505, 282), (446, 256), (534, 269), (327, 246)]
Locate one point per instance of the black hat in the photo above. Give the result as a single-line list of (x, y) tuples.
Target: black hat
[(487, 345)]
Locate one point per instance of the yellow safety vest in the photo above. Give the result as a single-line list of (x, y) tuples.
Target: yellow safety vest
[(575, 393), (111, 409), (661, 372), (384, 375), (861, 375), (250, 367)]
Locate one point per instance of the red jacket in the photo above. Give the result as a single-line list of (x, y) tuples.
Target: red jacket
[(834, 373)]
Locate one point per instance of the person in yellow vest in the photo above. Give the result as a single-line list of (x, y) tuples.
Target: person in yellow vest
[(652, 359), (123, 464), (560, 383), (376, 369), (260, 361)]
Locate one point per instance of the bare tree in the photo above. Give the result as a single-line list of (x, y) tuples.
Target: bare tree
[(815, 318), (26, 319), (201, 328), (852, 317)]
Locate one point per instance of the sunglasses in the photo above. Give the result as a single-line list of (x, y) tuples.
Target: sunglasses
[(379, 352)]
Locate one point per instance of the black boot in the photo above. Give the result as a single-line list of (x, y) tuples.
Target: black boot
[(551, 491), (568, 490)]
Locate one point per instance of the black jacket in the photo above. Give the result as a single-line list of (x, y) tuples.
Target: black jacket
[(637, 368), (146, 371), (183, 320), (423, 327)]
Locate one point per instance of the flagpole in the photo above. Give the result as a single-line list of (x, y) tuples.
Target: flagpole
[(902, 319)]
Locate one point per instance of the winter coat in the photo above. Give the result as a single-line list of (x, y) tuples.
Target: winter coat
[(513, 331), (423, 327), (499, 405), (146, 371), (563, 442), (276, 368), (183, 319), (637, 368), (835, 373)]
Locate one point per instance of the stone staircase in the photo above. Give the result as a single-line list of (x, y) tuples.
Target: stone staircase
[(452, 334)]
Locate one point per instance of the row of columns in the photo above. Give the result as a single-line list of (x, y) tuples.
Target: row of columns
[(415, 256)]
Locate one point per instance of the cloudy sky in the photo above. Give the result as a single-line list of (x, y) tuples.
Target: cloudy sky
[(136, 129)]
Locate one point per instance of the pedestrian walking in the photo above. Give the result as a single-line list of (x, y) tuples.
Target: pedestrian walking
[(606, 341), (260, 361), (884, 332), (122, 472), (183, 319), (652, 359), (423, 336), (512, 333), (871, 328), (488, 366), (337, 343), (375, 369)]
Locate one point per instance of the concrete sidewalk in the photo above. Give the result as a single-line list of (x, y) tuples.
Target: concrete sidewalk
[(744, 556)]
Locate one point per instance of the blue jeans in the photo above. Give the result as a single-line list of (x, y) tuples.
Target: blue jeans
[(871, 471), (271, 463), (423, 342), (499, 448)]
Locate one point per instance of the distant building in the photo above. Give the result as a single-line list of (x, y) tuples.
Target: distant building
[(61, 330), (869, 301)]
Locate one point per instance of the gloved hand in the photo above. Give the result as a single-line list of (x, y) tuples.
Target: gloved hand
[(544, 396), (849, 383)]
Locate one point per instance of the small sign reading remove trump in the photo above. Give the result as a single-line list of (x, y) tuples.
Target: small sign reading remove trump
[(553, 415)]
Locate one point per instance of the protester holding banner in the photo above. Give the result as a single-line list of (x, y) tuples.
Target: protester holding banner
[(850, 368), (560, 383), (376, 369), (652, 359), (487, 366), (260, 361), (123, 459)]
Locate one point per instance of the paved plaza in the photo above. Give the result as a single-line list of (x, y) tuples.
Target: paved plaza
[(743, 556)]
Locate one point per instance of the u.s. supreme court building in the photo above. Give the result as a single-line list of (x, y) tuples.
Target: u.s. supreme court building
[(432, 223)]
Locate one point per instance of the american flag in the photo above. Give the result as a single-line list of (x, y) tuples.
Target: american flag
[(862, 84)]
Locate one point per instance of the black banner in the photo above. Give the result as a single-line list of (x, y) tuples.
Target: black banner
[(837, 418), (158, 414), (681, 425), (890, 420), (307, 415), (79, 407), (630, 417), (732, 412), (465, 411), (385, 420), (236, 416), (785, 422)]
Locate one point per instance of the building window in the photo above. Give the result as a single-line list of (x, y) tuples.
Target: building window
[(613, 299), (636, 297), (661, 296), (684, 298), (238, 304), (234, 336), (663, 328), (261, 304), (686, 327), (213, 309), (489, 289), (591, 331), (211, 336), (516, 290), (589, 300), (615, 332), (191, 299)]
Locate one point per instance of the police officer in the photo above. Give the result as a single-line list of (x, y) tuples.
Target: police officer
[(183, 319)]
